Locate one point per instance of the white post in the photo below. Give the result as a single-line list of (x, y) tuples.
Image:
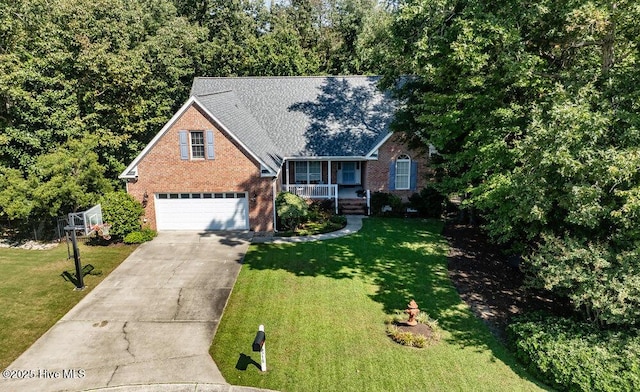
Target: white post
[(263, 352), (286, 174)]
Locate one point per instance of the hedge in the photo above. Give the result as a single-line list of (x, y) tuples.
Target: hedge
[(577, 356)]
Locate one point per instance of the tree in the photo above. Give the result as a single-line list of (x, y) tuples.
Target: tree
[(15, 195), (69, 179), (534, 112), (109, 68)]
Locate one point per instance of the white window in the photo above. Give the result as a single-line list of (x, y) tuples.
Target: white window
[(315, 172), (197, 144), (403, 172), (301, 172), (308, 172)]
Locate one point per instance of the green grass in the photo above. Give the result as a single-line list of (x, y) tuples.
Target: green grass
[(33, 296), (324, 304)]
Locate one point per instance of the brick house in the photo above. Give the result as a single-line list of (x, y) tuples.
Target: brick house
[(220, 161)]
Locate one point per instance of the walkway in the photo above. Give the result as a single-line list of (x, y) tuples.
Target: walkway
[(354, 224)]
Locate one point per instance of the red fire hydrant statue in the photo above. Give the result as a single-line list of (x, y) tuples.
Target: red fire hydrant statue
[(412, 311)]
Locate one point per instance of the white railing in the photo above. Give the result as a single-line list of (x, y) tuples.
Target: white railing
[(313, 191)]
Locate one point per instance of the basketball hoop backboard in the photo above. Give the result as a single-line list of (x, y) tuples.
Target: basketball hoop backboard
[(86, 220)]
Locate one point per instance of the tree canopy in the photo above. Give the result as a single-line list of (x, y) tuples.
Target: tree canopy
[(534, 110), (532, 106), (109, 74)]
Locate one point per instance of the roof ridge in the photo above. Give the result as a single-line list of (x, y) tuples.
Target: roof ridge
[(288, 77), (213, 93)]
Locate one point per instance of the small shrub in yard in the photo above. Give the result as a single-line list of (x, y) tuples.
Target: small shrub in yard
[(429, 202), (381, 199), (122, 212), (291, 209), (138, 237), (577, 356), (320, 210)]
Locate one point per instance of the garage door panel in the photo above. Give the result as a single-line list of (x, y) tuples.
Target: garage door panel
[(202, 214)]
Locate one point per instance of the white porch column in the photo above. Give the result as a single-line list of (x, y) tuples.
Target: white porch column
[(286, 173), (335, 197), (329, 174)]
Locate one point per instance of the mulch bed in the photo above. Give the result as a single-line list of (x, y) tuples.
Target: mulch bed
[(418, 329), (488, 283)]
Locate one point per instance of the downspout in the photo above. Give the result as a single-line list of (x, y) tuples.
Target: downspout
[(286, 173), (274, 184)]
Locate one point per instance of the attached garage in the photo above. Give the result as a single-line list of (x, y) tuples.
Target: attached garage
[(202, 211)]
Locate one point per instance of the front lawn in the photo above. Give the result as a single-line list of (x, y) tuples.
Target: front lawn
[(324, 304), (33, 296)]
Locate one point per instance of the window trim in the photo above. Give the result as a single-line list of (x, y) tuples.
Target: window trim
[(193, 145), (201, 195), (204, 145), (403, 159), (303, 173)]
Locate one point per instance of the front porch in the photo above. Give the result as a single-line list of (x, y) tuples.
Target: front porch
[(337, 180), (326, 191), (352, 199)]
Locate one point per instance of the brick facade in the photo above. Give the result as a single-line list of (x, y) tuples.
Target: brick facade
[(376, 176), (375, 173), (162, 170)]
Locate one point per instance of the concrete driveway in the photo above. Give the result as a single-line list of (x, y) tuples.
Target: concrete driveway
[(151, 321)]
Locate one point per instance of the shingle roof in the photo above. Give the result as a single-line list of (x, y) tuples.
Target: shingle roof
[(232, 113), (279, 117)]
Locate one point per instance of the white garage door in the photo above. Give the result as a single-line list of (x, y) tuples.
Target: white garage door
[(202, 211)]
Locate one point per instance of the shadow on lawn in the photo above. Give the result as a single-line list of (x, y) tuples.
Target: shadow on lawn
[(244, 361), (405, 259)]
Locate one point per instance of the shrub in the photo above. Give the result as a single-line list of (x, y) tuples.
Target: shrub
[(138, 237), (339, 220), (324, 206), (320, 210), (429, 202), (381, 199), (291, 209), (122, 212), (577, 356)]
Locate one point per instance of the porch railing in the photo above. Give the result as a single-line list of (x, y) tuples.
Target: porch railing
[(313, 191)]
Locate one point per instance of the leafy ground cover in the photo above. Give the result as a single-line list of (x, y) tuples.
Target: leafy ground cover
[(324, 304), (577, 356), (33, 296)]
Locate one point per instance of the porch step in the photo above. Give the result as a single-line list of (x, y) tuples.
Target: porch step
[(352, 206)]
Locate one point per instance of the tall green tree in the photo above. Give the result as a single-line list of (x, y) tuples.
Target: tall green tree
[(296, 37), (111, 68), (68, 179), (533, 108)]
